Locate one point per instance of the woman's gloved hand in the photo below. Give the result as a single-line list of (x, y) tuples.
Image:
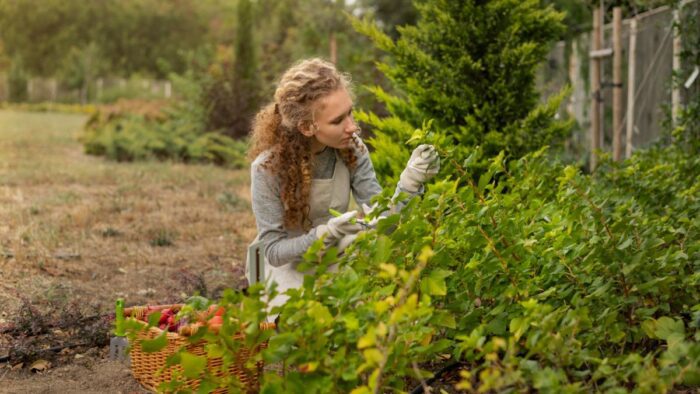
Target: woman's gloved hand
[(339, 227), (346, 241), (423, 165)]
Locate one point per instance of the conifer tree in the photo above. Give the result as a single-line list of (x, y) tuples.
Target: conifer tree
[(470, 67), (233, 96)]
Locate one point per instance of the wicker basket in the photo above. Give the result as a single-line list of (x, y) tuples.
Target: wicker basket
[(148, 370)]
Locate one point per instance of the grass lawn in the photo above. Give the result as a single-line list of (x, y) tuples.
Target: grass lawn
[(84, 229)]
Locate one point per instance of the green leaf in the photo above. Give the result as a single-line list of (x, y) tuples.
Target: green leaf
[(434, 283), (383, 248), (445, 319), (665, 327), (417, 136), (320, 314), (484, 181), (153, 319), (215, 350), (155, 344), (279, 347), (518, 327), (625, 244), (192, 365), (206, 386), (373, 356)]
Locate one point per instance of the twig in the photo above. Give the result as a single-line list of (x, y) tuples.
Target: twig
[(3, 375), (423, 384)]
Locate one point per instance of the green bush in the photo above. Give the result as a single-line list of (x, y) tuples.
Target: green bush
[(144, 130), (17, 80), (469, 66), (535, 277)]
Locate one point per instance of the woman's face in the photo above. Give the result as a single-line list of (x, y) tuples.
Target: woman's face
[(334, 123)]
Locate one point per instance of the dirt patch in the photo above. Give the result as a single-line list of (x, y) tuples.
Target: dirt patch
[(84, 375), (79, 229)]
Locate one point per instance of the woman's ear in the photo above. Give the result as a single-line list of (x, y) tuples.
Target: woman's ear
[(308, 129)]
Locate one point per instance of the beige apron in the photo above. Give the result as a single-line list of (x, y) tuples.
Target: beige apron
[(325, 193)]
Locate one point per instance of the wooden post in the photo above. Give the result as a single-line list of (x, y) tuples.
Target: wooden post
[(596, 45), (168, 89), (99, 87), (333, 48), (676, 90), (631, 67), (617, 83)]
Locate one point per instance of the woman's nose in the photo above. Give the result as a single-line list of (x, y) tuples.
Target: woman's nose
[(350, 125)]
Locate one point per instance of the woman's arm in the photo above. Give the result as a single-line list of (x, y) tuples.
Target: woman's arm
[(280, 249)]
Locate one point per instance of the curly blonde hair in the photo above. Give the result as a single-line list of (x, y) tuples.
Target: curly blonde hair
[(277, 128)]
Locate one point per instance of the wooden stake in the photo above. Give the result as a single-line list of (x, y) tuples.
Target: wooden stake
[(334, 49), (676, 90), (617, 83), (596, 44), (631, 66)]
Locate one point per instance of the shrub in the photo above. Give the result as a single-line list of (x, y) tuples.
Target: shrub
[(137, 130), (470, 67), (17, 80)]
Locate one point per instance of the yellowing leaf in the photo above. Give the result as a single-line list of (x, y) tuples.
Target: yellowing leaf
[(381, 307), (417, 136), (425, 254), (367, 340), (320, 314), (381, 330), (434, 283), (373, 356), (351, 322), (390, 269), (308, 367), (361, 390)]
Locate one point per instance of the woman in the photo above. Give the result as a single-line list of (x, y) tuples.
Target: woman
[(308, 158)]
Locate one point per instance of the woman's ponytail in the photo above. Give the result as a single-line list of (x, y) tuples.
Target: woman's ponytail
[(264, 133)]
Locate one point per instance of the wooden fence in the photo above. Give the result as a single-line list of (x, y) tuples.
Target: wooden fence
[(99, 90), (651, 66)]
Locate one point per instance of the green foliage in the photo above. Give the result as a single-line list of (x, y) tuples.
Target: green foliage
[(470, 67), (148, 36), (558, 281), (134, 138), (686, 131), (17, 82), (232, 85), (176, 133)]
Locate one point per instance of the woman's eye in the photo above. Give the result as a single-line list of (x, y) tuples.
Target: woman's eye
[(337, 122)]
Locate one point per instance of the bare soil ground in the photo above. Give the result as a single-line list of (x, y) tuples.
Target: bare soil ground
[(77, 232)]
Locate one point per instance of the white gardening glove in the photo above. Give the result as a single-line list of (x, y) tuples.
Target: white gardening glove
[(338, 227), (423, 165), (346, 241), (371, 223)]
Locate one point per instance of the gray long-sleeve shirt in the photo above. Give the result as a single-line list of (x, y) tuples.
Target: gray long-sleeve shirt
[(280, 247)]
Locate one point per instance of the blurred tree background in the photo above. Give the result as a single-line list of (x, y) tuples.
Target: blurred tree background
[(221, 56), (232, 50)]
